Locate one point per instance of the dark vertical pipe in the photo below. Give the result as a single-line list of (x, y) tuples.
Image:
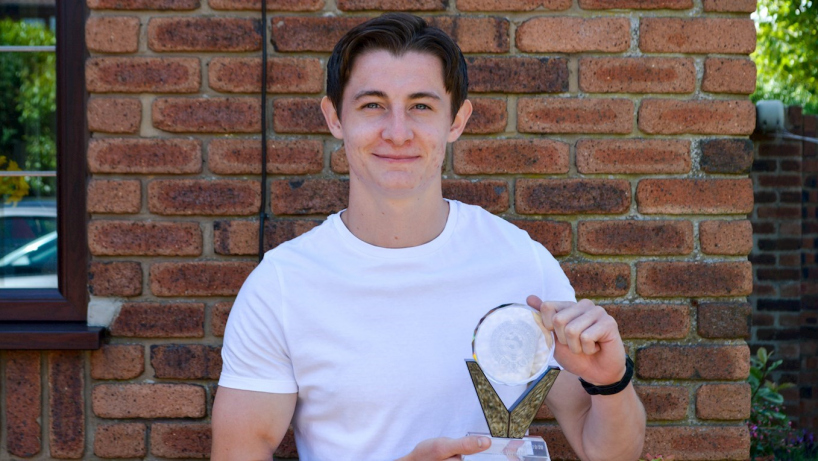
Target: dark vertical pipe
[(263, 213)]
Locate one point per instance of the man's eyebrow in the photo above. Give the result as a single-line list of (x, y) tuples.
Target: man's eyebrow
[(423, 94), (363, 94)]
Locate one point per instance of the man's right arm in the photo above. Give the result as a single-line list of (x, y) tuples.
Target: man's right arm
[(249, 425)]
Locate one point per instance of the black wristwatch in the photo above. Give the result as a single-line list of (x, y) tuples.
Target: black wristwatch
[(614, 388)]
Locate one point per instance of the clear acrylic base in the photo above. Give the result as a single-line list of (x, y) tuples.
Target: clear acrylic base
[(529, 448)]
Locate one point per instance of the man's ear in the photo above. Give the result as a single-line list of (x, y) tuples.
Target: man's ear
[(331, 116), (460, 120)]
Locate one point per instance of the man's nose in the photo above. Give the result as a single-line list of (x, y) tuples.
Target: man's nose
[(397, 129)]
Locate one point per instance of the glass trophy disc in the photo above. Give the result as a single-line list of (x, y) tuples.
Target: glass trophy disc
[(511, 344)]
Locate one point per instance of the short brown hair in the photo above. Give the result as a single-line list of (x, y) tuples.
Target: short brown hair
[(397, 33)]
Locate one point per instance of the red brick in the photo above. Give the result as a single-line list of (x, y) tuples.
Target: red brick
[(722, 75), (490, 115), (186, 361), (126, 440), (694, 279), (218, 317), (298, 115), (204, 197), (723, 401), (554, 235), (572, 196), (202, 278), (114, 115), (243, 156), (726, 156), (693, 362), (699, 442), (284, 75), (498, 156), (338, 161), (651, 321), (726, 237), (112, 34), (635, 4), (637, 75), (635, 237), (272, 5), (779, 149), (115, 278), (118, 361), (598, 279), (310, 33), (154, 320), (490, 194), (782, 212), (204, 34), (733, 6), (570, 115), (695, 196), (633, 156), (148, 401), (664, 403), (149, 156), (143, 75), (724, 320), (66, 404), (574, 35), (207, 115), (308, 196), (180, 440), (669, 116), (475, 34), (697, 35), (778, 180), (144, 4), (241, 237), (114, 196), (518, 75), (23, 406), (512, 5), (118, 238), (392, 5)]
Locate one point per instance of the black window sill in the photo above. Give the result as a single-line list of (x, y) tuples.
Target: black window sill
[(50, 335)]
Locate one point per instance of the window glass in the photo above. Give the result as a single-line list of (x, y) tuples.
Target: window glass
[(28, 148)]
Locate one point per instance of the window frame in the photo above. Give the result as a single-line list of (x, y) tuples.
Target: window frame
[(57, 318)]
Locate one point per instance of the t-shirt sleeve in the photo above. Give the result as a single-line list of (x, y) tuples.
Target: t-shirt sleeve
[(255, 355)]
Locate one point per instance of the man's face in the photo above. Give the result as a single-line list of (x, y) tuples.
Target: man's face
[(395, 123)]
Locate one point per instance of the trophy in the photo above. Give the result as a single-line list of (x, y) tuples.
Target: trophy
[(512, 347)]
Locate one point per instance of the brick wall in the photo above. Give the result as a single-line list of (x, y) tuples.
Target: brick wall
[(614, 131), (785, 231)]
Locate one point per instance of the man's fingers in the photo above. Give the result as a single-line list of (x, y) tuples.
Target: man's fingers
[(576, 328), (444, 448)]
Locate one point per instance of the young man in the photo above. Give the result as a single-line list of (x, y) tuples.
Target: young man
[(356, 331)]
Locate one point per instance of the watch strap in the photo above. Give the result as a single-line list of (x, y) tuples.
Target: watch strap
[(614, 388)]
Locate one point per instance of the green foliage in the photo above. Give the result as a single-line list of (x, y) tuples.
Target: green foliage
[(771, 433), (787, 52), (28, 104)]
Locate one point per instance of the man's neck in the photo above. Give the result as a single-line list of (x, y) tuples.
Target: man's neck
[(396, 223)]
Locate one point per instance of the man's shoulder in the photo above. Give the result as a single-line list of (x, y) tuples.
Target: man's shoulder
[(301, 236), (476, 218)]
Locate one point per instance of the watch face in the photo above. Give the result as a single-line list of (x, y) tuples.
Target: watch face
[(511, 345)]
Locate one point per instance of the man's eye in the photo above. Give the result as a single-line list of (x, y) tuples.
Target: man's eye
[(422, 107), (371, 105)]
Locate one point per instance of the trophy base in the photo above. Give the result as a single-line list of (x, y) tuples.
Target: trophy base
[(528, 448)]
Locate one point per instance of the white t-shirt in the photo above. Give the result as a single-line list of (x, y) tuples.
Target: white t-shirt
[(374, 339)]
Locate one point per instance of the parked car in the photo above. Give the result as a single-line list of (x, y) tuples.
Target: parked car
[(28, 245)]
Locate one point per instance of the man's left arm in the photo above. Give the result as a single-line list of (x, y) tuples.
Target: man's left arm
[(599, 427)]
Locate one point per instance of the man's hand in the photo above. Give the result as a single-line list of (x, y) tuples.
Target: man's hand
[(447, 449), (588, 342)]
